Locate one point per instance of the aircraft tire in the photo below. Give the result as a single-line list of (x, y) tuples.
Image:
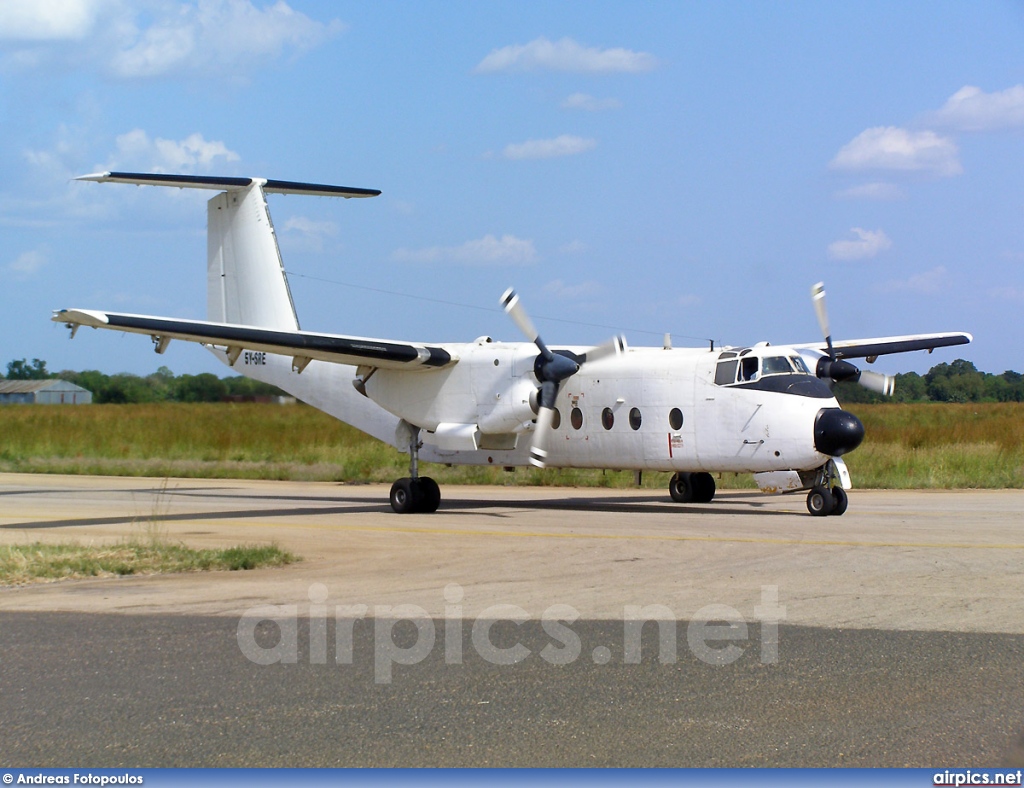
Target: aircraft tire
[(680, 487), (840, 500), (820, 501), (703, 487), (430, 495), (405, 496)]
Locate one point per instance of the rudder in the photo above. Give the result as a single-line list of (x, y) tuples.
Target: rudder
[(246, 280)]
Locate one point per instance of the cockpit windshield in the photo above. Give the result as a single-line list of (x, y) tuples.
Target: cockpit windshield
[(799, 364), (776, 365), (746, 366)]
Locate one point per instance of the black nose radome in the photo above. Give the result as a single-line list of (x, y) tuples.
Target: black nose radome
[(837, 432)]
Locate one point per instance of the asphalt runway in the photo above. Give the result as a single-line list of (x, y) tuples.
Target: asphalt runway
[(891, 636)]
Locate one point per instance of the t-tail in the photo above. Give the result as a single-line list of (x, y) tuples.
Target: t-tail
[(246, 281)]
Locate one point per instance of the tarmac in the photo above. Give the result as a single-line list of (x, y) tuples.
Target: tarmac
[(508, 629)]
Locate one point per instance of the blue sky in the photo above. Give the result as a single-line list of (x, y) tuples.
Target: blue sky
[(690, 168)]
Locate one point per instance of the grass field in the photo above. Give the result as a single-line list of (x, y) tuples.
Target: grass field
[(929, 445)]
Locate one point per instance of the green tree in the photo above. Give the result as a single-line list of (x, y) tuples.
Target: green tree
[(205, 387), (124, 388), (910, 387), (20, 369), (956, 382)]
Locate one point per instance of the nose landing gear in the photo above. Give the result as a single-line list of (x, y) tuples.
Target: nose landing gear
[(827, 496)]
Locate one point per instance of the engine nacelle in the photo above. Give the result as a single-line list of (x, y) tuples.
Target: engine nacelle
[(509, 410)]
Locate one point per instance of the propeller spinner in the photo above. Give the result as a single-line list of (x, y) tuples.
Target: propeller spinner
[(837, 369), (551, 369)]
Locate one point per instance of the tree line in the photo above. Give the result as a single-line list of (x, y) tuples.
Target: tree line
[(959, 381), (160, 386)]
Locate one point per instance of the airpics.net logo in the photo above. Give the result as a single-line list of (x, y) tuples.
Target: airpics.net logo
[(406, 634)]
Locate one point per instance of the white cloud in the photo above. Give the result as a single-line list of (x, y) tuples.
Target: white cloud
[(873, 191), (971, 109), (892, 148), (565, 55), (587, 102), (565, 145), (307, 226), (489, 250), (1007, 293), (307, 233), (47, 20), (27, 264), (192, 154), (926, 283), (573, 247), (867, 245), (221, 38), (559, 289), (218, 33)]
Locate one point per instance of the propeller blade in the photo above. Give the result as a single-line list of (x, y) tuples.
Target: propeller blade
[(877, 382), (514, 309), (615, 346), (538, 450), (818, 298), (838, 370)]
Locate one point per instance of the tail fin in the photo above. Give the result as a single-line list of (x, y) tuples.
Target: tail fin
[(245, 278), (246, 281)]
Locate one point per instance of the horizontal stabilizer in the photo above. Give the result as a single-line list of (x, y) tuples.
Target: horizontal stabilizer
[(227, 184), (303, 345)]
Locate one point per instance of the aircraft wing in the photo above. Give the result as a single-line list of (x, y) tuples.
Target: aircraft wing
[(881, 346), (303, 346)]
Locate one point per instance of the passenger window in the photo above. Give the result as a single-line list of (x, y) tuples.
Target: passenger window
[(675, 418), (556, 419), (635, 418), (607, 418), (576, 417), (748, 368), (726, 373)]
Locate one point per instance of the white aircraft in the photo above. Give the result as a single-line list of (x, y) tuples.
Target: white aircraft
[(689, 411)]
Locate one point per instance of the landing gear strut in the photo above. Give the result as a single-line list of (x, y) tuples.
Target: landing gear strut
[(414, 493), (827, 496), (692, 487)]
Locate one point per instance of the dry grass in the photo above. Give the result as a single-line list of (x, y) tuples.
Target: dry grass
[(39, 562), (925, 445)]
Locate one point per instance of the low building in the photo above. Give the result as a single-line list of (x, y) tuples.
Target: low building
[(43, 392)]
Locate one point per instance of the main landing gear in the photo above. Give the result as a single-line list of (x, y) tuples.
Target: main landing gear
[(692, 487), (414, 493), (827, 496)]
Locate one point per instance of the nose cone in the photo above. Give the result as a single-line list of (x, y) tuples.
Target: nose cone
[(837, 432)]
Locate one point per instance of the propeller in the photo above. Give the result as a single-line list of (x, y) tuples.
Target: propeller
[(837, 369), (551, 369)]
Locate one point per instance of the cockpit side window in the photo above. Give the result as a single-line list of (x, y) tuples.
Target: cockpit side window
[(799, 364), (725, 373), (748, 368)]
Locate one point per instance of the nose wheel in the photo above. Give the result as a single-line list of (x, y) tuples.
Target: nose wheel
[(827, 497)]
